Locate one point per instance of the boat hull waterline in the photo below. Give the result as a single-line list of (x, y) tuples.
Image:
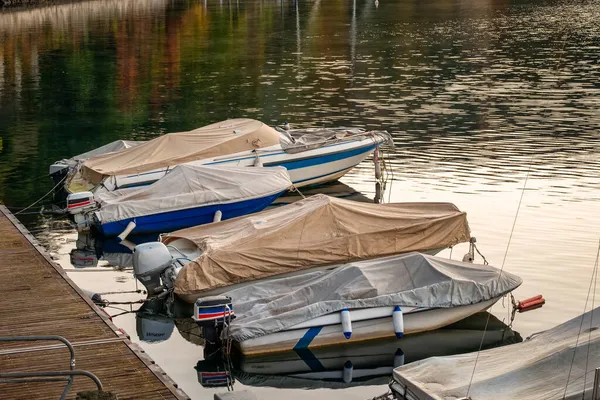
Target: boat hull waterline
[(415, 320), (180, 219)]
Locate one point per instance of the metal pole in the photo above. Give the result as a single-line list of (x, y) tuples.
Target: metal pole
[(38, 338), (56, 338), (13, 375), (596, 391)]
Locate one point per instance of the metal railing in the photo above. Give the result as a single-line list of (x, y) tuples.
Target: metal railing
[(47, 376)]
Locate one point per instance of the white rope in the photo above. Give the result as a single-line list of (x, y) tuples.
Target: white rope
[(295, 189), (41, 198), (512, 230)]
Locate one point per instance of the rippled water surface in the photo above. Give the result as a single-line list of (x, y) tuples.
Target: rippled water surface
[(484, 99)]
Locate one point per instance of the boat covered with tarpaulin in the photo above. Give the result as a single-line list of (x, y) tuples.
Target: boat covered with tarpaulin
[(311, 157), (188, 195), (364, 300), (315, 232), (559, 363)]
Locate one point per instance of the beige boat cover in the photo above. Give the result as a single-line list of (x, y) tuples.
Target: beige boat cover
[(225, 137), (313, 232)]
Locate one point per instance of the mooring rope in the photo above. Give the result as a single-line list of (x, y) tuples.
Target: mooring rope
[(42, 198), (512, 230), (592, 280)]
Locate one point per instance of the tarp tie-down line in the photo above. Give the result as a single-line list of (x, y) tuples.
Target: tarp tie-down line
[(512, 230)]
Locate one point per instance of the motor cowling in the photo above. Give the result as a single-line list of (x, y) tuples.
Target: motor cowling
[(150, 261), (79, 203), (80, 206), (213, 310)]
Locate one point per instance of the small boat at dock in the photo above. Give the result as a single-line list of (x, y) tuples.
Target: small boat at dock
[(355, 302), (560, 363), (311, 156), (318, 232), (60, 169), (187, 196)]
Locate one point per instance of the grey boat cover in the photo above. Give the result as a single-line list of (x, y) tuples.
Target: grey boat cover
[(299, 140), (189, 186), (111, 147), (412, 279), (536, 369)]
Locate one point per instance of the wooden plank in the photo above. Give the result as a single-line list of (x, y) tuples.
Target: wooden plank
[(38, 298)]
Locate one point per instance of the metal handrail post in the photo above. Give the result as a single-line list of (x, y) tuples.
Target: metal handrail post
[(43, 374), (39, 338), (49, 337)]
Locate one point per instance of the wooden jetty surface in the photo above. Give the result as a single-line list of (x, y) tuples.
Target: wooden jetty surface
[(38, 298)]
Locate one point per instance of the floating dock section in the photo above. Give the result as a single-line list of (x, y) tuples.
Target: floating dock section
[(37, 298)]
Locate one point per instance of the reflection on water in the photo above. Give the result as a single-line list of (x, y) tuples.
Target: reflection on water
[(337, 367), (479, 96)]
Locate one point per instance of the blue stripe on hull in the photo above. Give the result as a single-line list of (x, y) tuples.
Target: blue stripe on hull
[(308, 337), (322, 159), (290, 165), (173, 220)]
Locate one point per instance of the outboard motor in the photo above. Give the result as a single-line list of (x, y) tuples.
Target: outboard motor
[(211, 313), (154, 266), (79, 205)]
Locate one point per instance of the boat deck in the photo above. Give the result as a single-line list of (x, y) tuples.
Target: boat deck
[(38, 298)]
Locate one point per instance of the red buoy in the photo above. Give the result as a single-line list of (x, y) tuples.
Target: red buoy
[(531, 304)]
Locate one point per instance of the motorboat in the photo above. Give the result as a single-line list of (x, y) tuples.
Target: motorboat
[(371, 362), (311, 156), (59, 170), (318, 232), (387, 297), (187, 196), (559, 363)]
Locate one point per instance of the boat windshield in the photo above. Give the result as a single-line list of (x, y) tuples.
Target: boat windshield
[(299, 140)]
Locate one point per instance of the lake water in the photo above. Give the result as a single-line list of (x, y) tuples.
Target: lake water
[(484, 99)]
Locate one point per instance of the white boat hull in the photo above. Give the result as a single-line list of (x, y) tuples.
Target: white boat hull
[(415, 320), (309, 167)]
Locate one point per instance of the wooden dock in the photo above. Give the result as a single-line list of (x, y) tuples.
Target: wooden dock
[(38, 298)]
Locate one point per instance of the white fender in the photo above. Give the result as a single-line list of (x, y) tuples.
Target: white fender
[(398, 321), (218, 216), (347, 373), (130, 226), (128, 244), (346, 323)]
